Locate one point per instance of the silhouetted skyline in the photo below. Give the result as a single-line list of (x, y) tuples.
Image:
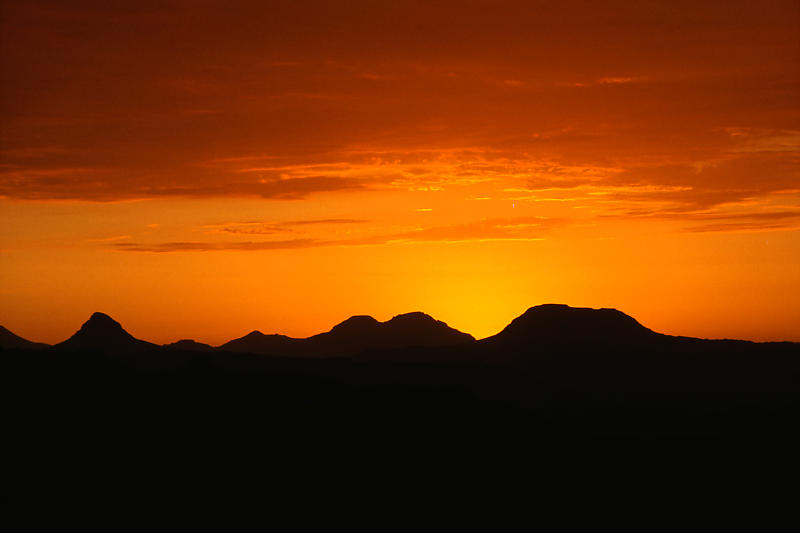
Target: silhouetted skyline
[(546, 324), (561, 397)]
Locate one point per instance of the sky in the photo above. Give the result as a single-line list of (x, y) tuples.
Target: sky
[(202, 169)]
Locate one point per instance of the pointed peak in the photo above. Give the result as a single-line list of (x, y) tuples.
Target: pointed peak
[(101, 320), (102, 331)]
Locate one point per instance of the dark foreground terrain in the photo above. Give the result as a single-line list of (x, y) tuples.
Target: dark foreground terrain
[(567, 419)]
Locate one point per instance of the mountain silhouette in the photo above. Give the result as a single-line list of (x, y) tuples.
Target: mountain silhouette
[(188, 345), (9, 340), (558, 388), (355, 335), (558, 324), (101, 332), (257, 342), (598, 334), (409, 330)]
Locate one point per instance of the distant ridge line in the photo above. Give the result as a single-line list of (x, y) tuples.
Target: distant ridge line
[(544, 324)]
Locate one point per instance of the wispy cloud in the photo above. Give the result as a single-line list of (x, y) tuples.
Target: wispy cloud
[(215, 246), (519, 228), (745, 226), (769, 218), (604, 81), (764, 140), (615, 80), (269, 228), (106, 185)]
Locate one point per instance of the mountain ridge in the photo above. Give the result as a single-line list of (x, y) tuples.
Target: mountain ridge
[(353, 335), (545, 325)]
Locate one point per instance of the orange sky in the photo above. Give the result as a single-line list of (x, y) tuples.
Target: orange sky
[(202, 169)]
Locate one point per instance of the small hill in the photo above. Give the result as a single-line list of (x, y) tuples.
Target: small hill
[(9, 340), (257, 342), (188, 345)]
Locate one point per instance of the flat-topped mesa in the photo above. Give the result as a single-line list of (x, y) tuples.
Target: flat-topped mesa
[(562, 324), (104, 333)]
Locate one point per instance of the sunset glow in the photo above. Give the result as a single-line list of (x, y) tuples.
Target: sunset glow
[(200, 168)]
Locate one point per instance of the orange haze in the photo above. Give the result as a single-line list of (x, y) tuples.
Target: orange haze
[(203, 169)]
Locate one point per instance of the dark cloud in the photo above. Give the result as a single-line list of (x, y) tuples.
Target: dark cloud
[(101, 185), (735, 178), (105, 101)]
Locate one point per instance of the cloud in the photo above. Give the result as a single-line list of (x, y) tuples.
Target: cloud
[(215, 246), (770, 218), (271, 177), (688, 186), (296, 188), (105, 185), (269, 228), (746, 226), (318, 221), (744, 221), (614, 80), (764, 140), (519, 228), (145, 118), (705, 184)]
